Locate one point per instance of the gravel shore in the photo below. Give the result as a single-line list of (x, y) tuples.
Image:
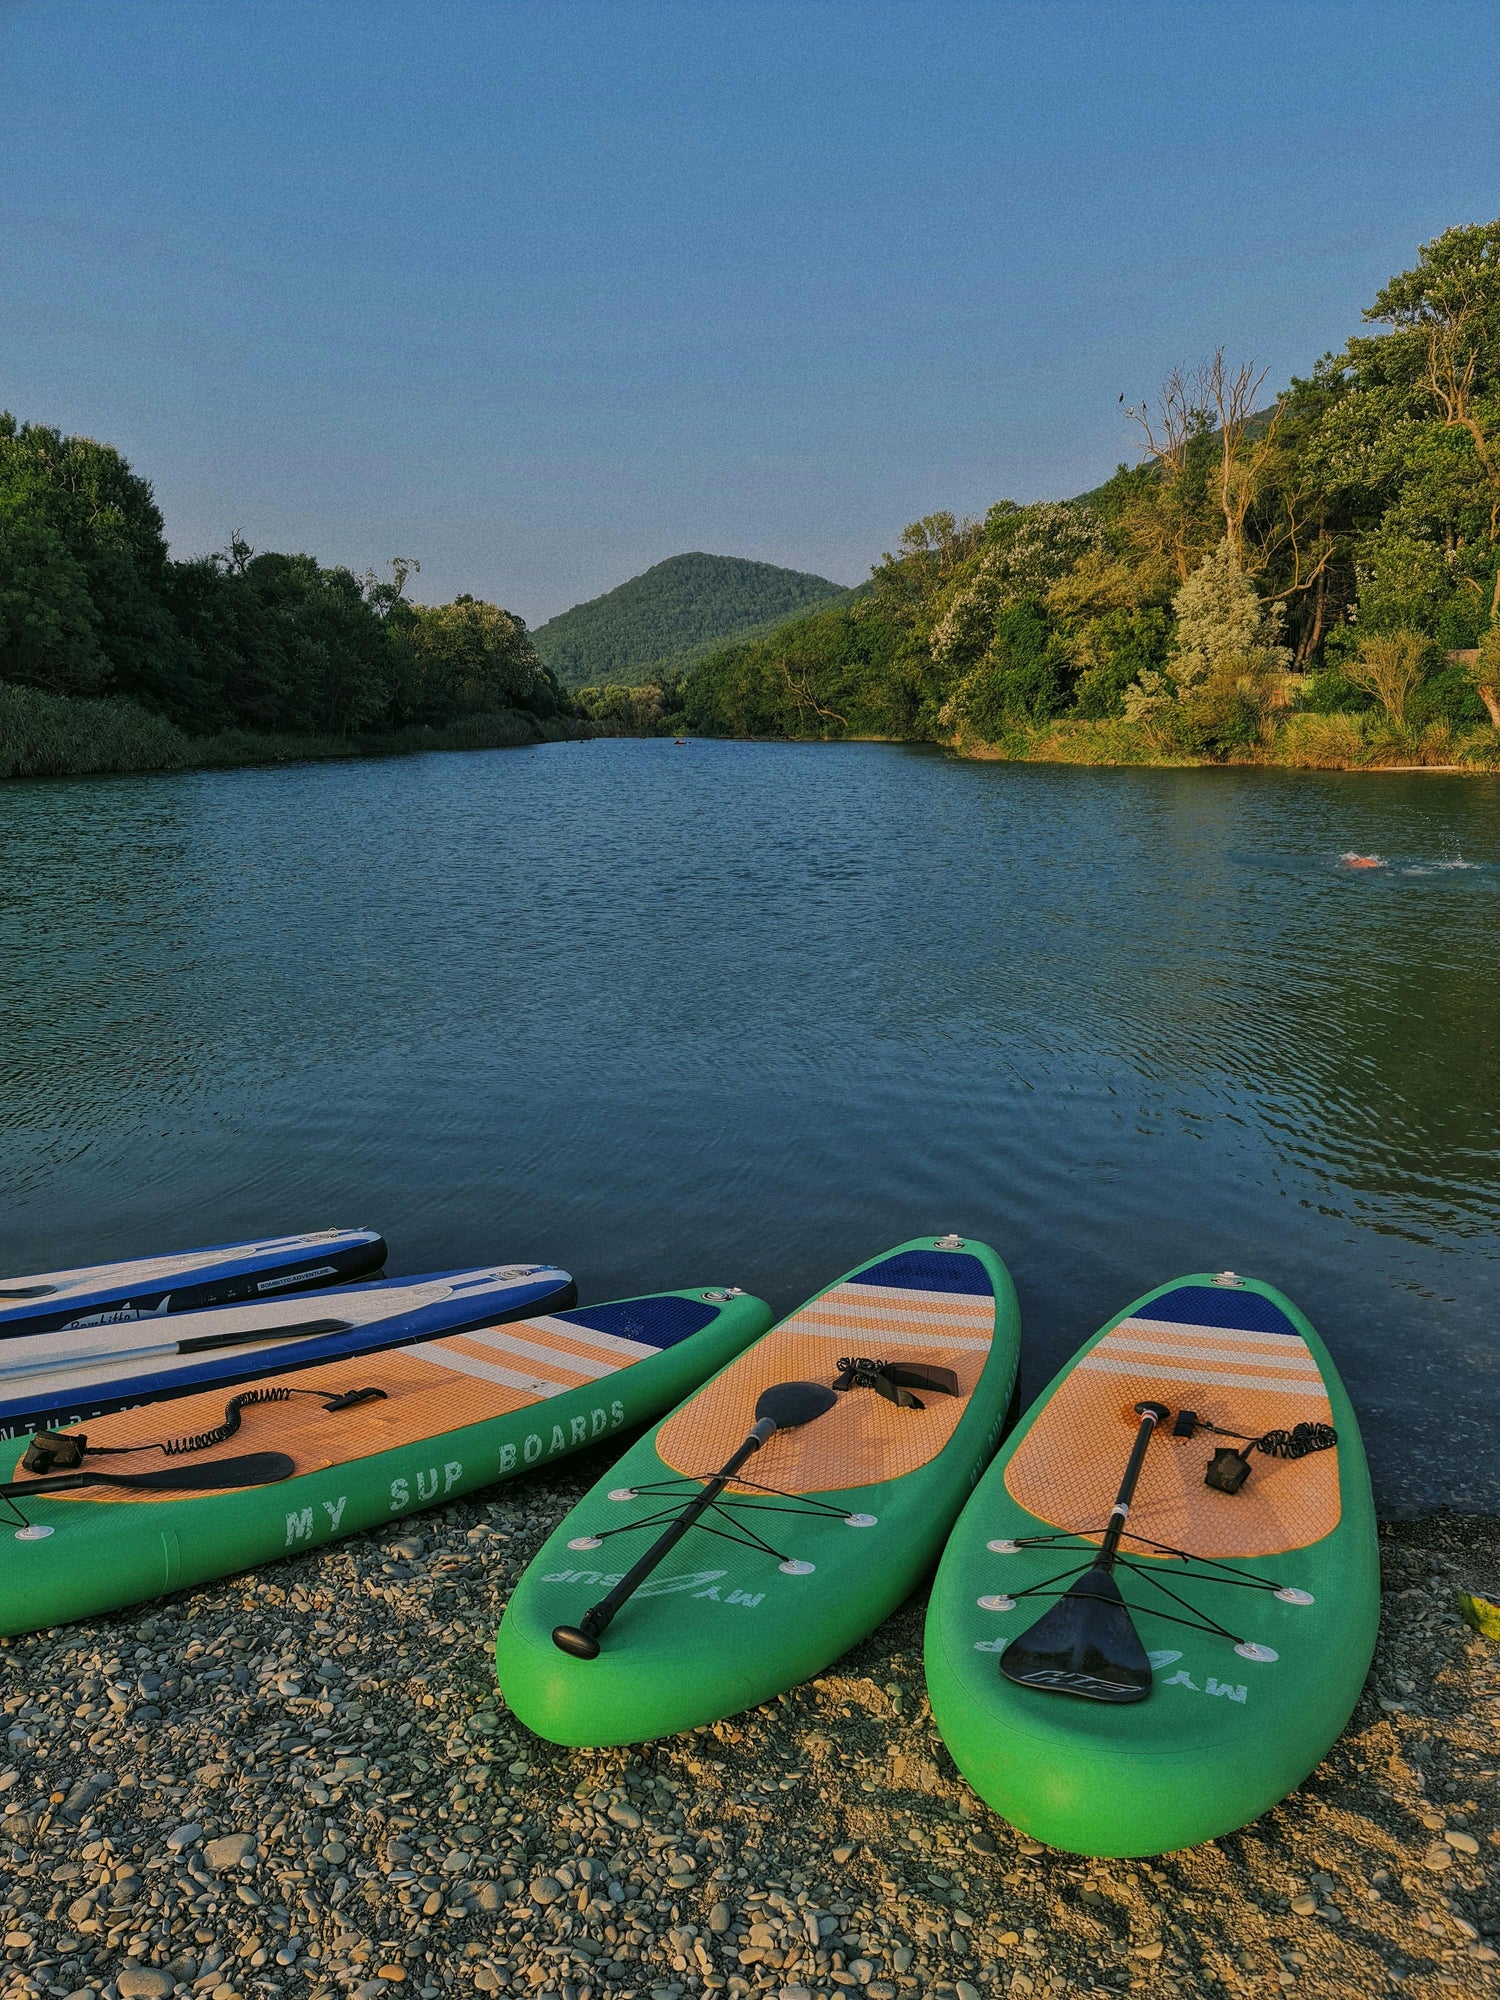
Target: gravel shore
[(303, 1782)]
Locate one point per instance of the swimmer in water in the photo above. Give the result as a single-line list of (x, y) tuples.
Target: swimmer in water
[(1361, 861)]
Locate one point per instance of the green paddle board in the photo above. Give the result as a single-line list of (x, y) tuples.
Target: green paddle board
[(202, 1486), (827, 1527), (1252, 1604)]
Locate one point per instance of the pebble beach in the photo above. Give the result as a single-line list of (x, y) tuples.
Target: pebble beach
[(304, 1782)]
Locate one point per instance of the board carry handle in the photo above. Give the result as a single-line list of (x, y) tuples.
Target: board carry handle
[(784, 1407)]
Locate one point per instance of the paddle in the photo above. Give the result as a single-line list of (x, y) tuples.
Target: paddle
[(1086, 1644), (782, 1407), (27, 1292), (251, 1468), (195, 1344)]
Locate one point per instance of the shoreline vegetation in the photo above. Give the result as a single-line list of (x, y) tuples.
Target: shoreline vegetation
[(49, 736), (1310, 582), (1313, 583), (304, 1780)]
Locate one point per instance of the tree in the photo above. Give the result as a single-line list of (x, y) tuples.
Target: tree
[(1486, 670), (1389, 665), (83, 499), (1227, 659), (1446, 319), (466, 658), (49, 629), (1025, 552)]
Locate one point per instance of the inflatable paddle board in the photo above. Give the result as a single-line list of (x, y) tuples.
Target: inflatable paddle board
[(360, 1441), (1173, 1695), (188, 1280), (68, 1376), (875, 1406)]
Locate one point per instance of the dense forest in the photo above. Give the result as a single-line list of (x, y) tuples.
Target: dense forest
[(1314, 579), (1311, 579), (662, 621), (111, 653)]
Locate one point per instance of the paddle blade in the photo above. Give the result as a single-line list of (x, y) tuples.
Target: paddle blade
[(788, 1404), (1086, 1645), (251, 1468)]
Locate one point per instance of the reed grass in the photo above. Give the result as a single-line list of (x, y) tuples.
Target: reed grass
[(52, 736)]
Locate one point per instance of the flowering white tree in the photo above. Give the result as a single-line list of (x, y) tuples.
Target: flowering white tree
[(1028, 549), (1226, 639)]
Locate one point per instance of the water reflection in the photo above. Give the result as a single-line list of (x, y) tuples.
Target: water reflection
[(744, 1011)]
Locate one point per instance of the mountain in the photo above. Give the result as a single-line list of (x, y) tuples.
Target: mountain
[(670, 614)]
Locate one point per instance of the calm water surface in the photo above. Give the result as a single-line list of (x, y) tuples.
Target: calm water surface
[(747, 1013)]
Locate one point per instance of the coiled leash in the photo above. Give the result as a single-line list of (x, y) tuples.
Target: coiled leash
[(1228, 1469), (64, 1451)]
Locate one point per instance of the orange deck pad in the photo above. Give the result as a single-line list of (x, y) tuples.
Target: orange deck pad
[(431, 1387), (1068, 1467), (864, 1439)]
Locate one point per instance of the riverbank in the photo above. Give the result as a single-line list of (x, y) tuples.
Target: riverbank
[(57, 736), (1302, 742), (302, 1783)]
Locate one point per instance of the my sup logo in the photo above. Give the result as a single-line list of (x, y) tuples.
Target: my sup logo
[(1234, 1690), (696, 1583)]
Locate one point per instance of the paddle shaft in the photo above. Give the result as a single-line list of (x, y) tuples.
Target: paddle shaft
[(200, 1344), (597, 1618), (1151, 1414)]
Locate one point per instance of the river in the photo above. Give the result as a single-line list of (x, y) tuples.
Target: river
[(747, 1013)]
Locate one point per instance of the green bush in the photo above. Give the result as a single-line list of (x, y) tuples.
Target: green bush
[(1450, 695)]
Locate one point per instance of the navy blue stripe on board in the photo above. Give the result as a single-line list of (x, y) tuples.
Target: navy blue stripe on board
[(654, 1322), (1219, 1305), (929, 1271)]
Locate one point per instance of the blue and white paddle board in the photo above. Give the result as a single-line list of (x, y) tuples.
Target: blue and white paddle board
[(187, 1280), (67, 1376)]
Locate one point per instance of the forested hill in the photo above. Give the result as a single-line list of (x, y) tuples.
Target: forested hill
[(1313, 582), (670, 614)]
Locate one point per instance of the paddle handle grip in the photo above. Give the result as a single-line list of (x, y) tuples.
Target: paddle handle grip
[(1151, 1414), (582, 1639)]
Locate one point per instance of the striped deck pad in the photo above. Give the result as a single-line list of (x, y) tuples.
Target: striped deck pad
[(431, 1387), (908, 1308), (1234, 1359)]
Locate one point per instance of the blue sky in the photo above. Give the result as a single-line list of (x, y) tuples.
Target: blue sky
[(541, 294)]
